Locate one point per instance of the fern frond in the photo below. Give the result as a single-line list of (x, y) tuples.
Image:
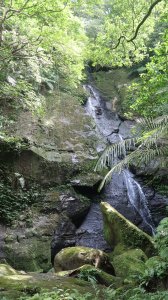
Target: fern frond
[(112, 152), (147, 124), (153, 143)]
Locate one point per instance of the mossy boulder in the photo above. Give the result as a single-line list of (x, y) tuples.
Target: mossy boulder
[(6, 270), (12, 286), (29, 248), (119, 230), (90, 273), (60, 144), (131, 262), (75, 257), (119, 249)]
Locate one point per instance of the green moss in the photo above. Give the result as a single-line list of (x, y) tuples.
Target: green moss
[(153, 262), (131, 262), (18, 285), (74, 257), (89, 273), (113, 84), (7, 270), (118, 230), (119, 249), (29, 255)]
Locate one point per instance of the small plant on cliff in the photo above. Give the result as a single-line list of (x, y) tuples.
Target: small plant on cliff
[(12, 203)]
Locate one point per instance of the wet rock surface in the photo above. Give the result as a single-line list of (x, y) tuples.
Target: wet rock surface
[(64, 236), (90, 233)]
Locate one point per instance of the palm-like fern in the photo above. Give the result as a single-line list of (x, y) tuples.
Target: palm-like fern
[(151, 143)]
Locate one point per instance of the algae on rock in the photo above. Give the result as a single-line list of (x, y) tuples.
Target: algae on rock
[(118, 230), (13, 286), (74, 257), (131, 262), (7, 270)]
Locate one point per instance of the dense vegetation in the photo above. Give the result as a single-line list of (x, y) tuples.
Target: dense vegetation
[(48, 44)]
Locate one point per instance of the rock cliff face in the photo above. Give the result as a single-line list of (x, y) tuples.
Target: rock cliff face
[(59, 154), (53, 175)]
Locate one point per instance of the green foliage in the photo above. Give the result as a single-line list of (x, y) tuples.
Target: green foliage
[(149, 95), (151, 144), (118, 21), (161, 239), (88, 275), (105, 294), (13, 202), (150, 296), (41, 46), (156, 272), (60, 294)]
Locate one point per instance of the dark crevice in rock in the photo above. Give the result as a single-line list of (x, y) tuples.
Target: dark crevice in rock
[(89, 191)]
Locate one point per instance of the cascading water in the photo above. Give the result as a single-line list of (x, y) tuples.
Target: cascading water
[(123, 192), (138, 200), (137, 197)]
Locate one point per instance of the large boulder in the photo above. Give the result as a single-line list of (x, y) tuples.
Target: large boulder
[(131, 262), (59, 145), (28, 249), (14, 285), (29, 254), (35, 239), (118, 230), (74, 257), (75, 206), (67, 201), (7, 270)]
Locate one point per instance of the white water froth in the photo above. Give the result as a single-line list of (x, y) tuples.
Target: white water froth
[(137, 199)]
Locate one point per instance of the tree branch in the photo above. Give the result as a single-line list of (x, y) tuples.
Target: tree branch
[(121, 38), (143, 20)]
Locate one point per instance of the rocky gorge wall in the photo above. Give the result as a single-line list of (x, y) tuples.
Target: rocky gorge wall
[(61, 150)]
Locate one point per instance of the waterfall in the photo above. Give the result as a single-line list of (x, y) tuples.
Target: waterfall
[(107, 122), (138, 200), (137, 197), (123, 192)]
